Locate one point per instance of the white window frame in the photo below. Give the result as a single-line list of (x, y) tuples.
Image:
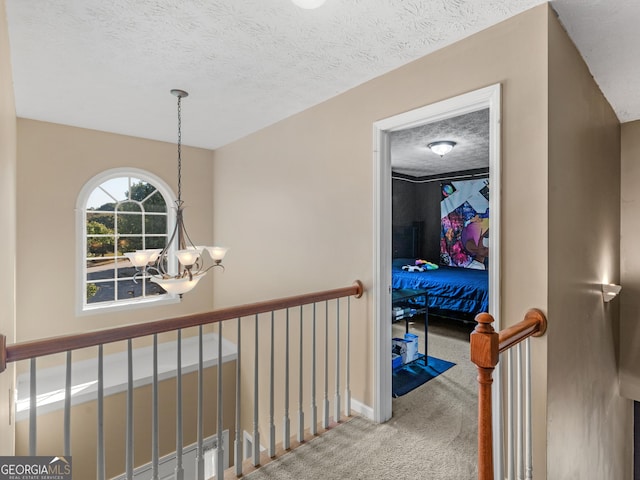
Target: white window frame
[(82, 307)]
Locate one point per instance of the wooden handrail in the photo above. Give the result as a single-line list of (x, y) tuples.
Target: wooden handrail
[(486, 345), (533, 325), (49, 346)]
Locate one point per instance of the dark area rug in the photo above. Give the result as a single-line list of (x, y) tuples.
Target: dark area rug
[(412, 375)]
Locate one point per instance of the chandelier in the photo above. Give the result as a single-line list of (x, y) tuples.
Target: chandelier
[(154, 264)]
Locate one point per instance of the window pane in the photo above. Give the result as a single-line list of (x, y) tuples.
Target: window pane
[(100, 292), (100, 269), (140, 190), (125, 269), (100, 223), (153, 289), (98, 247), (128, 289), (129, 244), (129, 223), (155, 242), (155, 203), (116, 188), (129, 207), (102, 207), (155, 224)]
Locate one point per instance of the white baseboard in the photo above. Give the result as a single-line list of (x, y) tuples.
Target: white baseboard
[(362, 409)]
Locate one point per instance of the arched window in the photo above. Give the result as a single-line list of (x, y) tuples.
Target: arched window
[(120, 211)]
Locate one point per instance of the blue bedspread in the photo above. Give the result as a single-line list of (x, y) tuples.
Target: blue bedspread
[(450, 288)]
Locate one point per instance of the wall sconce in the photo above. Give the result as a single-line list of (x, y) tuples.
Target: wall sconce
[(610, 291)]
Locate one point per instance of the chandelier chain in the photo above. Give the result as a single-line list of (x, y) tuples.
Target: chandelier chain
[(179, 150)]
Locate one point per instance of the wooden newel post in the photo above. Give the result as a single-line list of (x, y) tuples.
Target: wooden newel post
[(484, 353)]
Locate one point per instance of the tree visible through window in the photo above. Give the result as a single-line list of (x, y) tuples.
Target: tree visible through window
[(121, 214)]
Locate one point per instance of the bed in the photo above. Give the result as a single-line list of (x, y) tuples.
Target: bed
[(452, 231), (453, 292)]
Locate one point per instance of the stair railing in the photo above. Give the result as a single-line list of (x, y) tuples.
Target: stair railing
[(486, 347), (32, 350)]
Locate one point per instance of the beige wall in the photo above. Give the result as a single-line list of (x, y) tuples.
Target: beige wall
[(8, 230), (84, 424), (630, 271), (55, 161), (587, 418), (295, 203), (295, 200)]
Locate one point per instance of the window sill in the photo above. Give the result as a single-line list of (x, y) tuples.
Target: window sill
[(109, 307)]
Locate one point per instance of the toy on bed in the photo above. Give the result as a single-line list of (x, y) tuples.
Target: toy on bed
[(426, 265), (420, 266), (413, 268)]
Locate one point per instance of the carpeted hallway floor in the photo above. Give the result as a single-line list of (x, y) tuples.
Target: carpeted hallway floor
[(432, 435)]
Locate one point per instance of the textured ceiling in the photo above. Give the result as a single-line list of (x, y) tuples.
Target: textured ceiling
[(109, 65), (606, 33), (410, 155)]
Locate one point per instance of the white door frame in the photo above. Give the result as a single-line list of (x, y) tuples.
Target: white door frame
[(488, 97)]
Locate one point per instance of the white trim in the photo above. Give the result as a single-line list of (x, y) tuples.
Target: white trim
[(166, 464), (81, 239), (247, 446), (488, 97), (362, 409)]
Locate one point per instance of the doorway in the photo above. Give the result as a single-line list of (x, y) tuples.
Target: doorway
[(483, 99)]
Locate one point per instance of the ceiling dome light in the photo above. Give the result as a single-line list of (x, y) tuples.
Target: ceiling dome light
[(308, 4), (442, 147)]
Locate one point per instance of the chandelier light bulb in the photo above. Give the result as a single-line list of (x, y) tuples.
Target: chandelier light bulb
[(188, 256)]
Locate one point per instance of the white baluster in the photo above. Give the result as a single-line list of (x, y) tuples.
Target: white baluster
[(272, 427), (179, 471), (221, 445), (528, 467), (300, 384), (325, 402), (286, 435), (129, 437), (337, 401), (347, 392), (256, 433), (314, 409), (155, 449), (511, 454), (67, 407), (199, 449), (100, 460), (519, 414), (238, 441), (33, 408)]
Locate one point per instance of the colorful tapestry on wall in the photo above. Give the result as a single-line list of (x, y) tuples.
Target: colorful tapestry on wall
[(464, 213)]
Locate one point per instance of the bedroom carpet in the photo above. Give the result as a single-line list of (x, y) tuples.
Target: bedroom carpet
[(432, 435), (412, 375)]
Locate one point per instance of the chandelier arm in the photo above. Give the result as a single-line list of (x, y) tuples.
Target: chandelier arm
[(158, 273), (187, 237), (212, 266), (139, 273), (159, 265)]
